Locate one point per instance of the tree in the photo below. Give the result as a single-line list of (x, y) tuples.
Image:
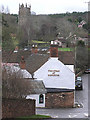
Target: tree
[(81, 56), (79, 19), (13, 85), (7, 43), (87, 26), (8, 27), (81, 43), (4, 10), (22, 37), (7, 11)]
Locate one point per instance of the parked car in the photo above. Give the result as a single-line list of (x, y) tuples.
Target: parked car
[(26, 48), (15, 51), (87, 71), (44, 49), (78, 83)]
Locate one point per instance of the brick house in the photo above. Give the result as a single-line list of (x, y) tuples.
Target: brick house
[(59, 81)]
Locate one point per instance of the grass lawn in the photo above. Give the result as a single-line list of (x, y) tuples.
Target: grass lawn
[(65, 49), (88, 48), (35, 41), (33, 117)]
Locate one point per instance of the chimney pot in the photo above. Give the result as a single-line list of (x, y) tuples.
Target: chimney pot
[(32, 45), (55, 43), (36, 46), (51, 42), (34, 49)]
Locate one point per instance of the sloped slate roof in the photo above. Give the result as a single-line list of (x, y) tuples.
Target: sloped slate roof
[(11, 57), (36, 86), (24, 73), (35, 61), (13, 69), (67, 57)]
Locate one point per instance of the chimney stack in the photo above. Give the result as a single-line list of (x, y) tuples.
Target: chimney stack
[(34, 49), (54, 49), (22, 63)]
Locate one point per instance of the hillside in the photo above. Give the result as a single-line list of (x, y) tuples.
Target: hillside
[(46, 27)]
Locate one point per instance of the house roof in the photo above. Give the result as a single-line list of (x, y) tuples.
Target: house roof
[(36, 87), (35, 61), (11, 57), (10, 67), (67, 57)]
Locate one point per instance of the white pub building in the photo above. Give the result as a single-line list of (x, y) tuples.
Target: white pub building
[(59, 82)]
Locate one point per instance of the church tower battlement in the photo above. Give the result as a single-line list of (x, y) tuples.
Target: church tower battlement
[(24, 13)]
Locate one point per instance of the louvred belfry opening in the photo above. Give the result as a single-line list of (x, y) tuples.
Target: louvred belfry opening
[(54, 49)]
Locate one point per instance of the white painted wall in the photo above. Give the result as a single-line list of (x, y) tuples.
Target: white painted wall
[(65, 77), (36, 97), (71, 67)]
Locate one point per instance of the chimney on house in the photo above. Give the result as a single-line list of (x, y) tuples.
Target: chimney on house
[(34, 49), (54, 49), (22, 63)]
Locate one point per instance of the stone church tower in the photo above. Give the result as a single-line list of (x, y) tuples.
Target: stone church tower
[(24, 14), (24, 21)]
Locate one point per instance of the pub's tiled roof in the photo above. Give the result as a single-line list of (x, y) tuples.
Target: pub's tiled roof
[(36, 87), (35, 61), (67, 57)]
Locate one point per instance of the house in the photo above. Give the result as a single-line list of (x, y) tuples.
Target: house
[(36, 88), (59, 81), (37, 92), (62, 42), (80, 25), (15, 68)]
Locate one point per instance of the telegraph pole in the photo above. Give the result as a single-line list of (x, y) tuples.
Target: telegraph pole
[(88, 58)]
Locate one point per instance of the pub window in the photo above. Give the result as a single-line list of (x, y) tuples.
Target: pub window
[(41, 98)]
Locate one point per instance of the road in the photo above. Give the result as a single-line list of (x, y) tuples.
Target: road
[(81, 96)]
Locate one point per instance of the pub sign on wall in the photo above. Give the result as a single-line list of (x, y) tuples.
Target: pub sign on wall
[(53, 72)]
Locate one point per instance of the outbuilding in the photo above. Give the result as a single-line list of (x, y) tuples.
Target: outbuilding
[(37, 92)]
